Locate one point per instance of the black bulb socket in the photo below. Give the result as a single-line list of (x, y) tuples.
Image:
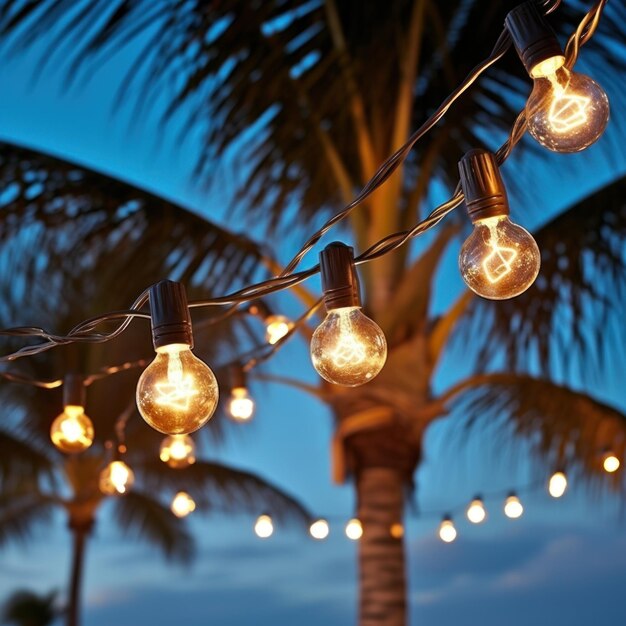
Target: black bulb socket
[(340, 282), (237, 377), (169, 313), (74, 393)]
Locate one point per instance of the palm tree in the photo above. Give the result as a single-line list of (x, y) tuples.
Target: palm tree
[(333, 88), (25, 608)]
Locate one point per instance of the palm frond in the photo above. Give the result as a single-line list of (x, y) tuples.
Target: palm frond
[(21, 510), (26, 607), (21, 460)]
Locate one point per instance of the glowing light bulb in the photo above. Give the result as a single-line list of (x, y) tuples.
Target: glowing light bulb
[(354, 529), (319, 529), (264, 527), (447, 531), (241, 405), (610, 463), (116, 478), (500, 259), (397, 530), (566, 111), (276, 327), (182, 504), (557, 484), (476, 512), (72, 431), (513, 507), (348, 348), (177, 393), (178, 451)]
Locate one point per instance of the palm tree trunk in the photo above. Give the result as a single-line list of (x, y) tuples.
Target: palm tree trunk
[(380, 493), (79, 535)]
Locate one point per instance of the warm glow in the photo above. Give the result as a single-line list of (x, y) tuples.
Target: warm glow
[(116, 478), (397, 531), (177, 393), (319, 529), (264, 527), (611, 463), (241, 405), (557, 485), (348, 348), (276, 327), (513, 507), (447, 531), (178, 451), (476, 512), (72, 431), (354, 530), (499, 262), (547, 67), (182, 504)]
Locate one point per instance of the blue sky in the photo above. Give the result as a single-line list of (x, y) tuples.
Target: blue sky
[(563, 563)]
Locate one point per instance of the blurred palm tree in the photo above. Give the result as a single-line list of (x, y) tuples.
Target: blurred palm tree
[(25, 608), (305, 99)]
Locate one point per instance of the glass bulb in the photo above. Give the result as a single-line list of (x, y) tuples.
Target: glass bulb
[(72, 431), (557, 485), (500, 259), (513, 507), (354, 529), (319, 529), (611, 463), (264, 527), (566, 111), (447, 531), (116, 478), (276, 327), (241, 405), (348, 348), (178, 451), (182, 504), (177, 393), (476, 512)]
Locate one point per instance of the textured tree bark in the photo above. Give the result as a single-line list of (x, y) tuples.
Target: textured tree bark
[(380, 493), (79, 536)]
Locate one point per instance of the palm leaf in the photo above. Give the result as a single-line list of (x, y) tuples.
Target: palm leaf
[(28, 608), (21, 460), (21, 510)]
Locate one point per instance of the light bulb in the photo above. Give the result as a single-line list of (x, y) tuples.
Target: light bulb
[(241, 405), (348, 348), (447, 531), (276, 327), (182, 504), (611, 463), (476, 512), (319, 529), (264, 527), (500, 259), (566, 111), (72, 431), (116, 478), (513, 507), (354, 529), (557, 485), (177, 393), (178, 451), (396, 530)]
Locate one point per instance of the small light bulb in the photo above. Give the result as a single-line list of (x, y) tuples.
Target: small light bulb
[(611, 463), (354, 529), (177, 393), (116, 478), (397, 530), (566, 111), (447, 531), (182, 504), (264, 527), (276, 327), (348, 348), (178, 451), (476, 512), (72, 431), (513, 507), (319, 529), (241, 405), (500, 259), (557, 485)]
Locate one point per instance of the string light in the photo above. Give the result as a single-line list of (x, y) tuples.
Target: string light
[(264, 528), (476, 512), (116, 478), (447, 531), (319, 529), (240, 404), (397, 530), (513, 508), (347, 348), (177, 393), (276, 327), (610, 463), (178, 451), (72, 431), (182, 504), (557, 485), (354, 529)]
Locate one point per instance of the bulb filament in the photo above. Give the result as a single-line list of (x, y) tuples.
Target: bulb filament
[(567, 111), (499, 262), (179, 389), (348, 351)]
